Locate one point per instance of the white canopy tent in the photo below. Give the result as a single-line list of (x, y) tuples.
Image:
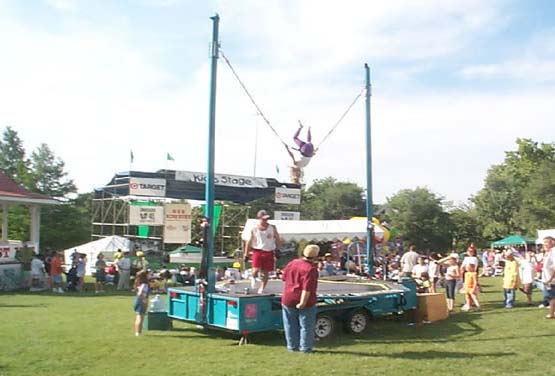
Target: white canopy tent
[(316, 230), (108, 246), (543, 233)]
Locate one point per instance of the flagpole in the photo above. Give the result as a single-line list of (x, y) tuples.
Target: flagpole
[(166, 169), (131, 157)]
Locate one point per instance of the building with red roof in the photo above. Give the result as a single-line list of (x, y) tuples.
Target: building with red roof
[(12, 193)]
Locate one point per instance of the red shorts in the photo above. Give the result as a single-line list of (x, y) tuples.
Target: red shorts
[(263, 260)]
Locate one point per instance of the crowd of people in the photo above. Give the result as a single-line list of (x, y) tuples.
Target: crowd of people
[(520, 268)]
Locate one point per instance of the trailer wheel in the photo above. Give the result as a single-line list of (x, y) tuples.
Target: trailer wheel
[(357, 321), (324, 326)]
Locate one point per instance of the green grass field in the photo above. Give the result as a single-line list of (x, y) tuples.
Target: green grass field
[(87, 334)]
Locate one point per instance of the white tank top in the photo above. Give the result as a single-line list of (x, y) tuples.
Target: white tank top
[(264, 240)]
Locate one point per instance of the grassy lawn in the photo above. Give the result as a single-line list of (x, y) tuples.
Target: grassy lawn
[(87, 334)]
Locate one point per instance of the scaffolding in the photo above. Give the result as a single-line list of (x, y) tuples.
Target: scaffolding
[(110, 216), (232, 222)]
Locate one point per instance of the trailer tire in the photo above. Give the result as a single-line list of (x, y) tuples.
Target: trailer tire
[(356, 321), (324, 326)]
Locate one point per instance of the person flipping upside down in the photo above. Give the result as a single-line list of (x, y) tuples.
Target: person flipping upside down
[(306, 149)]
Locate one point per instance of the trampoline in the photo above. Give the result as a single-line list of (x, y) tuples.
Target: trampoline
[(336, 287)]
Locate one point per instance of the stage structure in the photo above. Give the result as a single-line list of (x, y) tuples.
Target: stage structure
[(135, 204)]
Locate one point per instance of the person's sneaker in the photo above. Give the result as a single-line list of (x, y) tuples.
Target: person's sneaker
[(261, 290), (542, 306), (465, 308)]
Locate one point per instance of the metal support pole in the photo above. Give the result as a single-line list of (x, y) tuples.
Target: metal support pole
[(369, 198), (209, 192)]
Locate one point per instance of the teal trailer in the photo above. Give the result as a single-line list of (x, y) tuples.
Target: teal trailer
[(348, 303)]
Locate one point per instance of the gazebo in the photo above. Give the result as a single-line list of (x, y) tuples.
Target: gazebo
[(13, 194)]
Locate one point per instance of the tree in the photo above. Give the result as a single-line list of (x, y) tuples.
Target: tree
[(12, 158), (329, 199), (62, 225), (501, 205), (538, 199), (465, 227), (67, 224), (419, 217), (48, 173)]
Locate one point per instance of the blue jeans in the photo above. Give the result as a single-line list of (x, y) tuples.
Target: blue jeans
[(299, 328), (546, 298), (509, 297)]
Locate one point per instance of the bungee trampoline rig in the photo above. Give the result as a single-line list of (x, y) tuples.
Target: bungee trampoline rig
[(346, 301)]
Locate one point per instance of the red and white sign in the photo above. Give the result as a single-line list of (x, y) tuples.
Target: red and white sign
[(177, 223), (147, 187), (288, 196), (8, 251)]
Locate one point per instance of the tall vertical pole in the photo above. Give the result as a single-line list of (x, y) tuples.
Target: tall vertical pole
[(209, 192), (369, 199)]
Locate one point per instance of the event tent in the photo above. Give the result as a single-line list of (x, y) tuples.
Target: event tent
[(108, 246), (512, 240), (543, 233), (316, 230)]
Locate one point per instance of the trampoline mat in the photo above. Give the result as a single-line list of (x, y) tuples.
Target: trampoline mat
[(325, 288)]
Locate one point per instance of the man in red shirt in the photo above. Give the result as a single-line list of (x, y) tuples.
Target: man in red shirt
[(299, 300)]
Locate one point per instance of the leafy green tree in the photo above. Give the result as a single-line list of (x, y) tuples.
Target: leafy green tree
[(67, 224), (13, 161), (62, 225), (420, 218), (538, 199), (466, 228), (500, 205), (48, 173), (330, 199)]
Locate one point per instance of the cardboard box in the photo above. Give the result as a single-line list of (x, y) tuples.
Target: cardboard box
[(431, 307)]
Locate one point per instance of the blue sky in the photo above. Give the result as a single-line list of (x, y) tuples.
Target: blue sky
[(454, 84)]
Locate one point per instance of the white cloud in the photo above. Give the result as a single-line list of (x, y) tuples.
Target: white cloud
[(63, 5), (530, 70), (531, 62), (319, 36)]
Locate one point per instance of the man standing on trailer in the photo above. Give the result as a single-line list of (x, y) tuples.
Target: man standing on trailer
[(299, 300), (263, 240)]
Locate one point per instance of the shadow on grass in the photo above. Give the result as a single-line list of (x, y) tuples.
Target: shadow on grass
[(383, 330), (193, 331), (417, 355), (41, 305)]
